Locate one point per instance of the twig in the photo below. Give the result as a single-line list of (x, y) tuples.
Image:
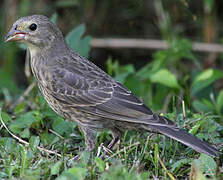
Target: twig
[(116, 43), (122, 150), (108, 151), (24, 142), (99, 150), (183, 108), (179, 101), (52, 131), (165, 169), (22, 97)]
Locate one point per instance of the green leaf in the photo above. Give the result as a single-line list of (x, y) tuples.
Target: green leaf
[(62, 127), (54, 18), (124, 72), (75, 173), (55, 169), (79, 172), (110, 66), (160, 60), (200, 107), (120, 72), (48, 139), (204, 75), (209, 164), (9, 144), (25, 121), (178, 164), (196, 171), (20, 108), (220, 101), (195, 128), (205, 79), (209, 104), (100, 164), (78, 44), (34, 142), (181, 48), (131, 82), (166, 78), (204, 166), (85, 157), (145, 72), (5, 117), (25, 133)]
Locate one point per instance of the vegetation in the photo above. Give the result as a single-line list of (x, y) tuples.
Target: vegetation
[(182, 84)]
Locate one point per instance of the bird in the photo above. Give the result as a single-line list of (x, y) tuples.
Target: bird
[(79, 91)]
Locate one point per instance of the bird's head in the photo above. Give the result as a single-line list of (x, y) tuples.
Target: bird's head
[(36, 31)]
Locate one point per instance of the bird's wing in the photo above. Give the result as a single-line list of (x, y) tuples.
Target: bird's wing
[(81, 84)]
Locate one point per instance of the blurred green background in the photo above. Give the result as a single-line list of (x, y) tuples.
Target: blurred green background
[(184, 81), (180, 23)]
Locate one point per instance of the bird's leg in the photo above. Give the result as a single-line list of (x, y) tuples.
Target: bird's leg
[(90, 140), (116, 134), (113, 142)]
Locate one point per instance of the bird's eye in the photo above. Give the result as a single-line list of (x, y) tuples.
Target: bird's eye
[(33, 27)]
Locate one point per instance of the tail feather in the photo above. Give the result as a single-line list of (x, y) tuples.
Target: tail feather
[(185, 138)]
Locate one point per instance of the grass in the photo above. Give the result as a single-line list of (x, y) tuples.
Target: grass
[(49, 145)]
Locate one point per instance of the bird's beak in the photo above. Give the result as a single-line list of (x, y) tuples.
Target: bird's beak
[(15, 35)]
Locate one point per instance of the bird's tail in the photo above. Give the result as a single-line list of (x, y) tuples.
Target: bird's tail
[(185, 138)]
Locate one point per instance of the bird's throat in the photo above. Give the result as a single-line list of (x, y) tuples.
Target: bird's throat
[(34, 50)]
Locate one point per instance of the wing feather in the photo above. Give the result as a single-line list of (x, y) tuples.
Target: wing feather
[(81, 84)]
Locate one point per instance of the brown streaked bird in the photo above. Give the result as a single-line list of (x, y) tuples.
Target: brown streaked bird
[(79, 91)]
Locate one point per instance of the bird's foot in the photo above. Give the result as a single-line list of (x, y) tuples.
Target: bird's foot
[(82, 157), (107, 150), (72, 161)]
